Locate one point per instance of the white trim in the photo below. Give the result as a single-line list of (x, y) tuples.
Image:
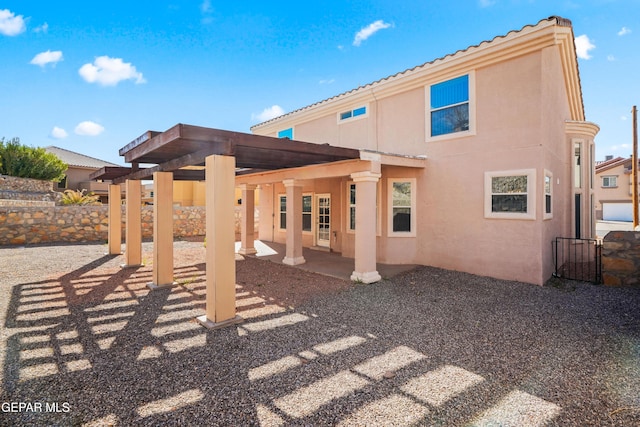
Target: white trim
[(472, 109), (531, 195), (390, 232), (547, 174)]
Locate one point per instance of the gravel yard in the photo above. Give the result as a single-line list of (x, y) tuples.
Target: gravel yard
[(84, 342)]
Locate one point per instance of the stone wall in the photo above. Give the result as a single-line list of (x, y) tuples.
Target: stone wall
[(14, 188), (73, 224), (621, 258)]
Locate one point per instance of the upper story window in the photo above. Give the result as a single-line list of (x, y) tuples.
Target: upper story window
[(356, 112), (609, 181), (286, 133), (449, 106)]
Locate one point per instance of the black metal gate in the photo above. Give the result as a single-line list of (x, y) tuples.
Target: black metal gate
[(578, 259)]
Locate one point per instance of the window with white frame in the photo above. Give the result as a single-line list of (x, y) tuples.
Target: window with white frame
[(610, 181), (352, 114), (548, 193), (510, 194), (286, 133), (283, 212), (402, 207), (352, 206), (449, 107), (307, 201)]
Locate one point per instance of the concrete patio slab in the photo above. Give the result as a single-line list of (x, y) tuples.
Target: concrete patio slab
[(322, 262)]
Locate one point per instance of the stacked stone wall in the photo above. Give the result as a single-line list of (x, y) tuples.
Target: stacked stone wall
[(75, 224), (621, 258), (26, 189)]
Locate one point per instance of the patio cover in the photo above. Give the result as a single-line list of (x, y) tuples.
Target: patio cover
[(184, 146)]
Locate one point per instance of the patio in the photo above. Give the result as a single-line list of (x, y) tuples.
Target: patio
[(85, 342)]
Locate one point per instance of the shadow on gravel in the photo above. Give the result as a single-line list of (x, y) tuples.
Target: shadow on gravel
[(430, 347)]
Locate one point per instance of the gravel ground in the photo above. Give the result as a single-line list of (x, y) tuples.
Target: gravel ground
[(84, 342)]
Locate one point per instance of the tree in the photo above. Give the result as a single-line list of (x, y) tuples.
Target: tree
[(29, 162)]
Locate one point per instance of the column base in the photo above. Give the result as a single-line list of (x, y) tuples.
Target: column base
[(247, 251), (154, 287), (210, 324), (368, 277), (131, 265), (294, 261)]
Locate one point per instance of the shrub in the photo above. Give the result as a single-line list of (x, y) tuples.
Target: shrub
[(76, 197), (29, 162)]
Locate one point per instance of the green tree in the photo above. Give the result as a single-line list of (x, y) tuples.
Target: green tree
[(29, 162)]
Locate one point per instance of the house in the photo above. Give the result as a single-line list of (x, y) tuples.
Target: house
[(613, 189), (80, 168), (479, 159), (475, 161)]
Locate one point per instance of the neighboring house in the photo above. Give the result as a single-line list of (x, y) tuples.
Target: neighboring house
[(189, 193), (479, 159), (613, 189), (80, 167)]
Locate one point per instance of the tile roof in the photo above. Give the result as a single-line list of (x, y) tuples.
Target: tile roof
[(562, 22), (76, 159)]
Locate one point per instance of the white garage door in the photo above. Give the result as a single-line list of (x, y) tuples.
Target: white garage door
[(617, 211)]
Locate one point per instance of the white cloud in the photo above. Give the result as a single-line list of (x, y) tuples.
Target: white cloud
[(88, 128), (44, 28), (110, 71), (327, 81), (611, 58), (58, 133), (48, 57), (205, 7), (583, 46), (620, 147), (369, 30), (10, 24), (268, 113), (624, 31)]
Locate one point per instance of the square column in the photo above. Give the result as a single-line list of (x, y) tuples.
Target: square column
[(220, 257), (294, 223), (133, 231), (247, 233), (365, 245), (162, 230), (114, 232)]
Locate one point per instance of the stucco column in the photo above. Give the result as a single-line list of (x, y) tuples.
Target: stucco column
[(294, 223), (220, 256), (247, 233), (162, 230), (365, 245), (114, 233), (133, 231)]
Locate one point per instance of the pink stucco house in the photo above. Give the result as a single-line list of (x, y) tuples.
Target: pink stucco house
[(474, 161)]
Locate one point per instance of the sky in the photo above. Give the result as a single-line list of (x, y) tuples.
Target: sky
[(93, 76)]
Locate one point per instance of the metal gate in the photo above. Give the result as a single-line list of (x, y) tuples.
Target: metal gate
[(578, 259)]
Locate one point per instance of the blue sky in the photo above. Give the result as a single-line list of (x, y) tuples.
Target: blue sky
[(93, 77)]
